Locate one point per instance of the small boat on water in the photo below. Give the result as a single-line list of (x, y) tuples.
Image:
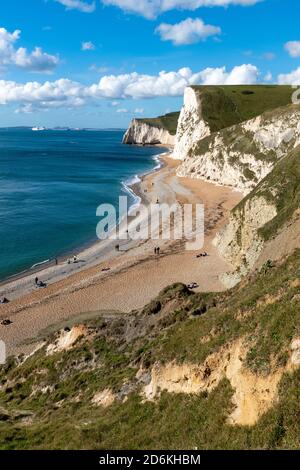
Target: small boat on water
[(38, 128)]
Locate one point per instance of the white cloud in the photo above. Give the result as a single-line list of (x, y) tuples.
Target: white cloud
[(293, 48), (80, 5), (59, 93), (152, 8), (37, 60), (268, 77), (139, 111), (122, 111), (292, 78), (188, 31), (67, 93), (88, 46), (115, 103), (25, 109), (137, 86)]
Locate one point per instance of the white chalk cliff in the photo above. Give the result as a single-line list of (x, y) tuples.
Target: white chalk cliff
[(191, 126), (239, 242), (242, 155), (141, 133)]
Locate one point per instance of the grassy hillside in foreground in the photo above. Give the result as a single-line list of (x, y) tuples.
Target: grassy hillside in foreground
[(168, 121), (224, 106), (46, 401)]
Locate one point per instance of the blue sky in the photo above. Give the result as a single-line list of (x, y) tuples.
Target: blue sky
[(98, 64)]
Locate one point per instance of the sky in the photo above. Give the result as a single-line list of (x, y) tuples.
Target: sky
[(100, 63)]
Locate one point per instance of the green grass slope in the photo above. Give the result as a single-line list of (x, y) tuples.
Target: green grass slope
[(281, 188), (46, 401), (224, 106)]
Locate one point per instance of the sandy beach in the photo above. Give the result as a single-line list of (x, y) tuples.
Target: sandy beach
[(105, 278)]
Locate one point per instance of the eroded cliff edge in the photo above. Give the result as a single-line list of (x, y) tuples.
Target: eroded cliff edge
[(155, 131), (265, 226)]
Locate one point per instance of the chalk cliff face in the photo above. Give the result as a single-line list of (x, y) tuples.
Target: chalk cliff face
[(242, 155), (266, 224), (245, 138), (191, 125), (141, 133), (239, 242)]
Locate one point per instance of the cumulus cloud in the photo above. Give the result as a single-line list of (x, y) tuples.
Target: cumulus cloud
[(88, 46), (292, 78), (80, 5), (188, 31), (122, 111), (152, 8), (37, 60), (139, 86), (68, 93), (293, 48), (58, 93), (245, 74)]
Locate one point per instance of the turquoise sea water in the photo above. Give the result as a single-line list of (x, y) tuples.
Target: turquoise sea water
[(51, 183)]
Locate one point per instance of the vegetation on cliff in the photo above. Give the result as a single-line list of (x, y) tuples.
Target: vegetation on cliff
[(168, 121), (177, 373), (48, 401), (224, 106), (280, 188)]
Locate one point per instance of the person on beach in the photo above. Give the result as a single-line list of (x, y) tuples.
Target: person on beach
[(36, 281)]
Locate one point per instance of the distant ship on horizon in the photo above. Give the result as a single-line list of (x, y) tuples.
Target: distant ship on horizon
[(38, 128)]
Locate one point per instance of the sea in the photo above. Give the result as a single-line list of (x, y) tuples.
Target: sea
[(51, 184)]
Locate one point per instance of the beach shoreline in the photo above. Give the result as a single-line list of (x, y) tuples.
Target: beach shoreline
[(40, 269), (120, 281)]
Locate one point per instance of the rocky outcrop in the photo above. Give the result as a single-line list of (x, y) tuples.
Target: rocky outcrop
[(191, 125), (67, 339), (142, 133), (242, 155), (239, 242), (265, 225), (253, 394)]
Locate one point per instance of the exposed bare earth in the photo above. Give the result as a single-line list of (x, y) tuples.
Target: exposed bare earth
[(135, 276), (254, 394)]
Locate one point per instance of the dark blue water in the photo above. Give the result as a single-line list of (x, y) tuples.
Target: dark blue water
[(52, 182)]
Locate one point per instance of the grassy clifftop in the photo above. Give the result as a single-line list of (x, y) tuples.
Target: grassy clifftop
[(224, 106), (168, 121), (49, 401)]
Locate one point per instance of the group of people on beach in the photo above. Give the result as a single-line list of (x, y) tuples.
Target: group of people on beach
[(202, 255), (157, 250), (39, 283)]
